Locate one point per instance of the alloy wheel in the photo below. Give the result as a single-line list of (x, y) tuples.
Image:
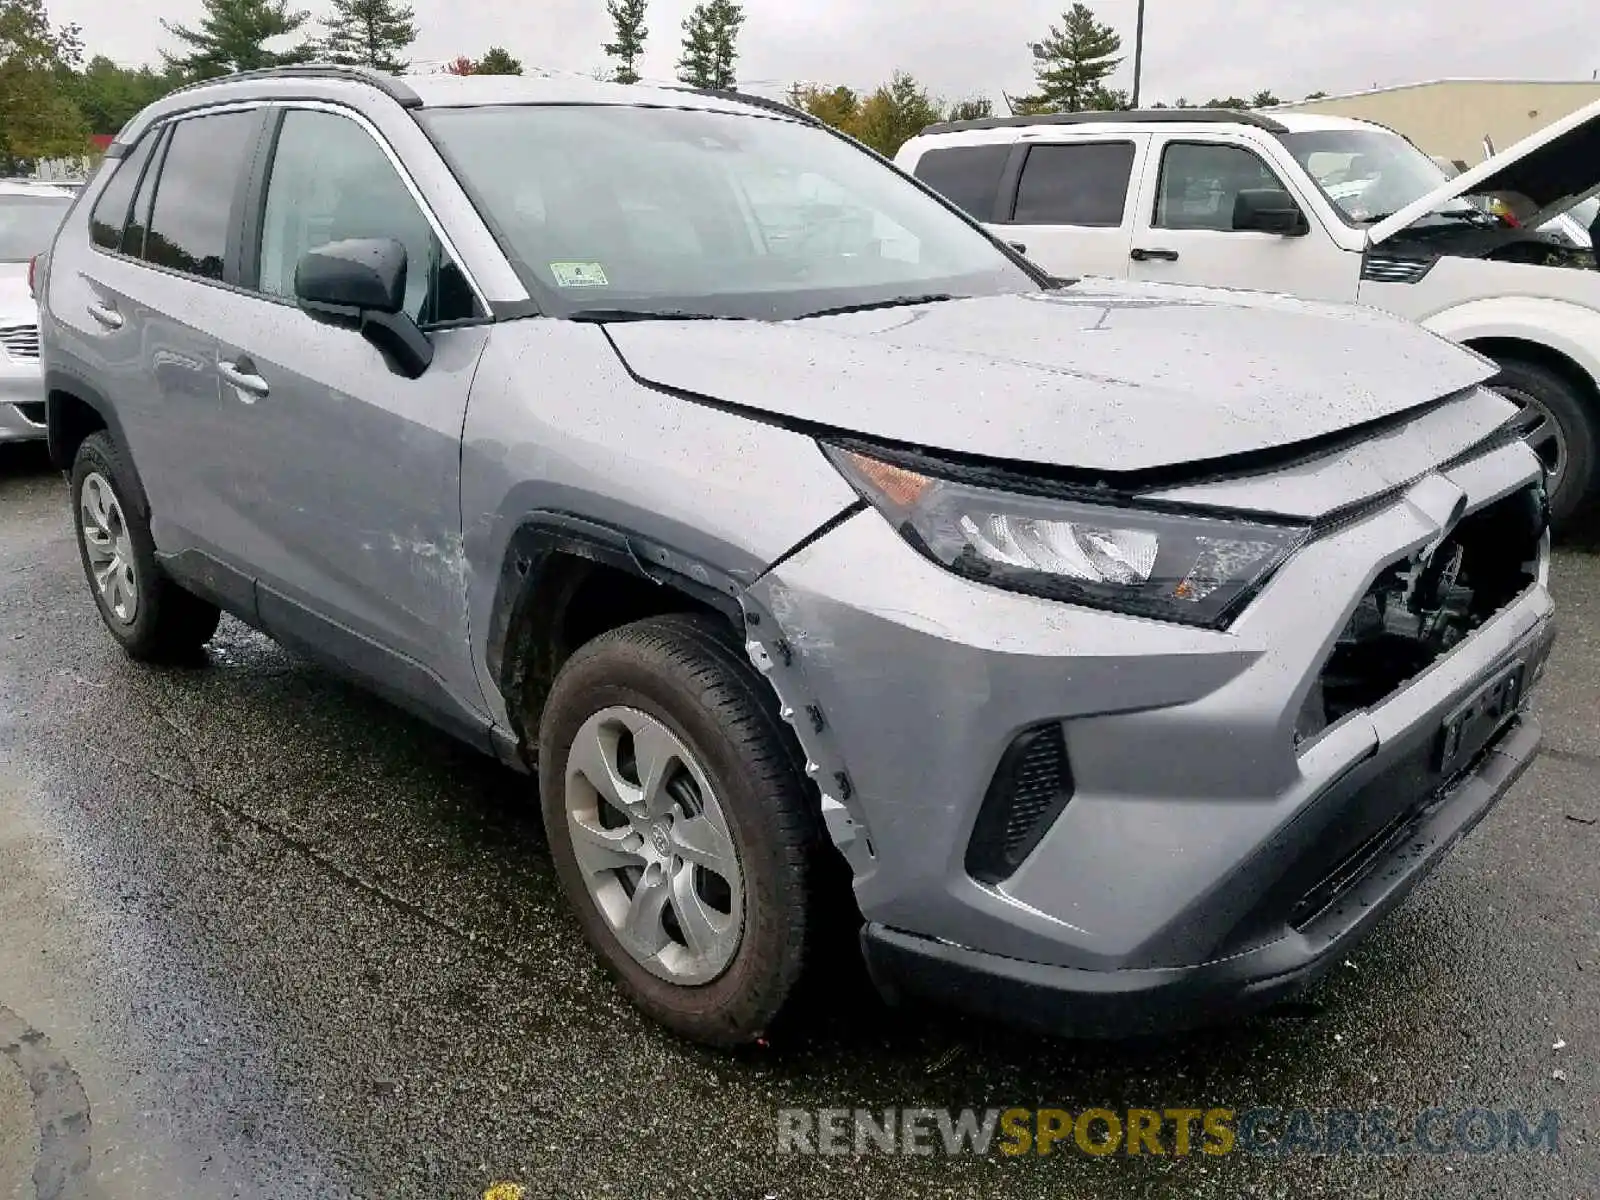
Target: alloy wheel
[(109, 548), (1542, 431), (653, 846)]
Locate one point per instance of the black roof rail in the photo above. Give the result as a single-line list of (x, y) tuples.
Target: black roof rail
[(1136, 116), (777, 106), (391, 86)]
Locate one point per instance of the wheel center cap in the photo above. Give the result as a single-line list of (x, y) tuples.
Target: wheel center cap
[(661, 840)]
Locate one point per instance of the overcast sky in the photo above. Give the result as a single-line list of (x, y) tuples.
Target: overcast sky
[(1194, 48)]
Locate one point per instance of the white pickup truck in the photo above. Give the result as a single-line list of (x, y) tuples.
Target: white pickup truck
[(1323, 208)]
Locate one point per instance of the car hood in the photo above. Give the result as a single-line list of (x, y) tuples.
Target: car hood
[(1556, 168), (1105, 377)]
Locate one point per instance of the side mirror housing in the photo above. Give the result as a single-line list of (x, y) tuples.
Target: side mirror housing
[(365, 279), (1269, 210), (366, 274)]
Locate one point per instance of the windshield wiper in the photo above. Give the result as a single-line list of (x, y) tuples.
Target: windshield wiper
[(897, 302), (608, 316)]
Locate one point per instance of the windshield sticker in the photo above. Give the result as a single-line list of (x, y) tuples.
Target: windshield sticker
[(572, 275)]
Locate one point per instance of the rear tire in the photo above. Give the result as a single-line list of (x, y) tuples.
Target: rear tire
[(676, 690), (152, 618), (1562, 428)]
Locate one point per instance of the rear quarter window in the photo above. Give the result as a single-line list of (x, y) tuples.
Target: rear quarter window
[(968, 176), (110, 213)]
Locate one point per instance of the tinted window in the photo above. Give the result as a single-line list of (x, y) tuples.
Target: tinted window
[(966, 175), (1082, 184), (730, 214), (330, 181), (139, 216), (1200, 183), (111, 207), (28, 223), (206, 157)]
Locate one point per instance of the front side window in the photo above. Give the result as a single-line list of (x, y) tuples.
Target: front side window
[(206, 159), (1201, 182), (1085, 183), (331, 181), (966, 175), (1371, 174), (726, 214)]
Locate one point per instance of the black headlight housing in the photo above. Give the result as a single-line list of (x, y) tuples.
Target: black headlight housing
[(1184, 566)]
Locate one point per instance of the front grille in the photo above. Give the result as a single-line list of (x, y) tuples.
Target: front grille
[(21, 341), (1029, 790), (1417, 611)]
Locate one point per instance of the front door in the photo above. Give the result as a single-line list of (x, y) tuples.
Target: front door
[(352, 482), (1184, 228)]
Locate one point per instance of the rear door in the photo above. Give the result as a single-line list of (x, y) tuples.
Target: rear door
[(1184, 232), (153, 280), (1068, 200), (348, 492)]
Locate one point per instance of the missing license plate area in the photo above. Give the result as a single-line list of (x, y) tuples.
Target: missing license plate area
[(1470, 727)]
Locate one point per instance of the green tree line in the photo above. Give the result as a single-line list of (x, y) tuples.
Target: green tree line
[(51, 99)]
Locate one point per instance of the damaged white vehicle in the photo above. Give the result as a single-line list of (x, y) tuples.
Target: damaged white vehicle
[(1500, 257)]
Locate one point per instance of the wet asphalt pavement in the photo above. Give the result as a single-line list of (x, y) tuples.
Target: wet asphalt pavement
[(287, 942)]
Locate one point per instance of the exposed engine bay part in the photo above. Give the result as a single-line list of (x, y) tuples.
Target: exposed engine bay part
[(1422, 607)]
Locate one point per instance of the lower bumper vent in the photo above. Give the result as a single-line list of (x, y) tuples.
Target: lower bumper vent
[(1030, 789)]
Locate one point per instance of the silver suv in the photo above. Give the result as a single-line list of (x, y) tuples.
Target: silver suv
[(1130, 649)]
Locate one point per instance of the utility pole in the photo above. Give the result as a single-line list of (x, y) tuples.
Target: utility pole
[(1138, 55)]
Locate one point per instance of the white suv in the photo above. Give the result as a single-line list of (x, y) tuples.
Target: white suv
[(29, 215), (1323, 208)]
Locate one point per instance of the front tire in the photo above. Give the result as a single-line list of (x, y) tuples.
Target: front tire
[(1558, 423), (680, 825), (152, 618)]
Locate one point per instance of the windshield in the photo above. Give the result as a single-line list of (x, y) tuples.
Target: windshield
[(1370, 174), (628, 209), (27, 223)]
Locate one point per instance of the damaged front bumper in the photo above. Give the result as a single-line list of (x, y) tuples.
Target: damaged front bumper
[(1193, 850)]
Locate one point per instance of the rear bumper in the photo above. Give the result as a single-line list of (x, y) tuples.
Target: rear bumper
[(1124, 1003)]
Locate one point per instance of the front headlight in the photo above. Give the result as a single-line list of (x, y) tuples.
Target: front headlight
[(1198, 570)]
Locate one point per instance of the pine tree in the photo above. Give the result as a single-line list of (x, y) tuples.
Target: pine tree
[(233, 36), (1074, 63), (497, 61), (710, 35), (370, 33), (628, 18)]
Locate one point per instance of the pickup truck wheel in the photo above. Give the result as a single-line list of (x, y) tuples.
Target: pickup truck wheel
[(151, 616), (1557, 422), (680, 825)]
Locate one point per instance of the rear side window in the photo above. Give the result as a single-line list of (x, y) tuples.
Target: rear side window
[(110, 212), (139, 217), (206, 158), (966, 175), (1081, 184)]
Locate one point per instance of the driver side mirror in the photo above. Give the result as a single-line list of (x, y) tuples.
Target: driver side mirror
[(365, 279), (1269, 210)]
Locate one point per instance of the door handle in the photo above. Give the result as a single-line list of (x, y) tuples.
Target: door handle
[(105, 314), (1139, 254), (252, 386)]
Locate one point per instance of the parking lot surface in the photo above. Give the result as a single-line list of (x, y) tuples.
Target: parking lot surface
[(285, 941)]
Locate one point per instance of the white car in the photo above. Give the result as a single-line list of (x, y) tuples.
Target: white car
[(1325, 208), (29, 215)]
